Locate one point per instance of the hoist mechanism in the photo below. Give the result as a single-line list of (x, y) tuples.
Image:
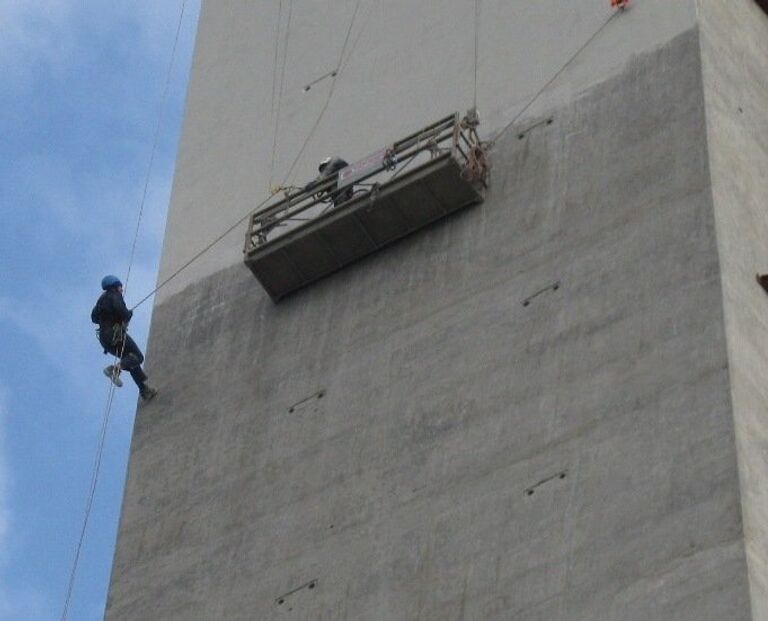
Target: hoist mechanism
[(333, 221)]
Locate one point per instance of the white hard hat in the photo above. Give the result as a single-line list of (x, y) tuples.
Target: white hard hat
[(324, 163)]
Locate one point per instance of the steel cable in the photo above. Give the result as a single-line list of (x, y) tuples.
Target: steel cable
[(557, 74)]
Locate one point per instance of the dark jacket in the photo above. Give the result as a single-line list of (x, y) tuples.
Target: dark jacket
[(334, 166), (331, 170), (112, 315)]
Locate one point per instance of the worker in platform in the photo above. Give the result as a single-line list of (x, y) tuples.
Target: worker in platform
[(329, 167), (112, 316)]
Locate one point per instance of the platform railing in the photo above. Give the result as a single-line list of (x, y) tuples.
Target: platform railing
[(454, 135)]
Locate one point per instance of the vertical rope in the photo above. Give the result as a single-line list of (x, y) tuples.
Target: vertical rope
[(281, 90), (274, 59), (89, 502), (549, 82), (360, 32), (158, 126), (477, 28), (96, 470), (334, 78)]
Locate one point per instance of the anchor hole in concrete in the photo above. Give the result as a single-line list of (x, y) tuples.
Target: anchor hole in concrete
[(562, 475), (529, 492), (280, 602), (550, 121)]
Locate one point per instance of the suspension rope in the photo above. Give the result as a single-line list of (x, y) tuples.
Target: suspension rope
[(363, 27), (477, 28), (199, 254), (95, 471), (319, 118), (557, 74), (274, 60), (89, 502), (334, 79), (281, 91), (153, 151)]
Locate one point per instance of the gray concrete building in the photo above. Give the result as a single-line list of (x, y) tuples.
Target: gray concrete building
[(548, 406)]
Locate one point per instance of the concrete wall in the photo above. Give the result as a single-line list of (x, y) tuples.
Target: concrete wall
[(406, 64), (414, 441), (735, 60)]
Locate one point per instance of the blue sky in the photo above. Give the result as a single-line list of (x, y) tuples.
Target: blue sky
[(80, 93)]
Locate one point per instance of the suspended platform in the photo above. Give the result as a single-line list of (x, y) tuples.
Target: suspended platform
[(337, 220)]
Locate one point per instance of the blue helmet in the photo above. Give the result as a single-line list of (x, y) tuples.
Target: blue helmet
[(110, 281)]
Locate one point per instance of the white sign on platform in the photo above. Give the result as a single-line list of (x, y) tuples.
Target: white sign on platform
[(353, 172)]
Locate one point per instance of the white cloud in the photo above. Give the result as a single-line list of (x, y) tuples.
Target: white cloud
[(14, 604), (33, 32), (45, 30)]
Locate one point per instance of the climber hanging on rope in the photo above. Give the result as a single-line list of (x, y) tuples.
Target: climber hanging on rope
[(112, 316)]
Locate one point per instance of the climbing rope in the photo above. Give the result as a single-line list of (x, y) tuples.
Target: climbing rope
[(557, 74), (361, 30), (153, 150), (89, 503), (334, 77), (274, 59), (476, 31), (281, 90), (202, 252), (95, 471)]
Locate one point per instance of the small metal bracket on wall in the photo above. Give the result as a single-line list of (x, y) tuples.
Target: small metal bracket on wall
[(284, 597), (523, 133), (553, 287), (559, 476)]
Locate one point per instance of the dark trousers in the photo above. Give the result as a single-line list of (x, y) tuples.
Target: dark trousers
[(341, 196), (130, 360)]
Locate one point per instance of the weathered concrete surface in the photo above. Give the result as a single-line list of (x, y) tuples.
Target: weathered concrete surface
[(470, 457), (406, 64), (735, 62)]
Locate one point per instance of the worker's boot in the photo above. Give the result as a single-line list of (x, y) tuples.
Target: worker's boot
[(113, 373), (147, 392)]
